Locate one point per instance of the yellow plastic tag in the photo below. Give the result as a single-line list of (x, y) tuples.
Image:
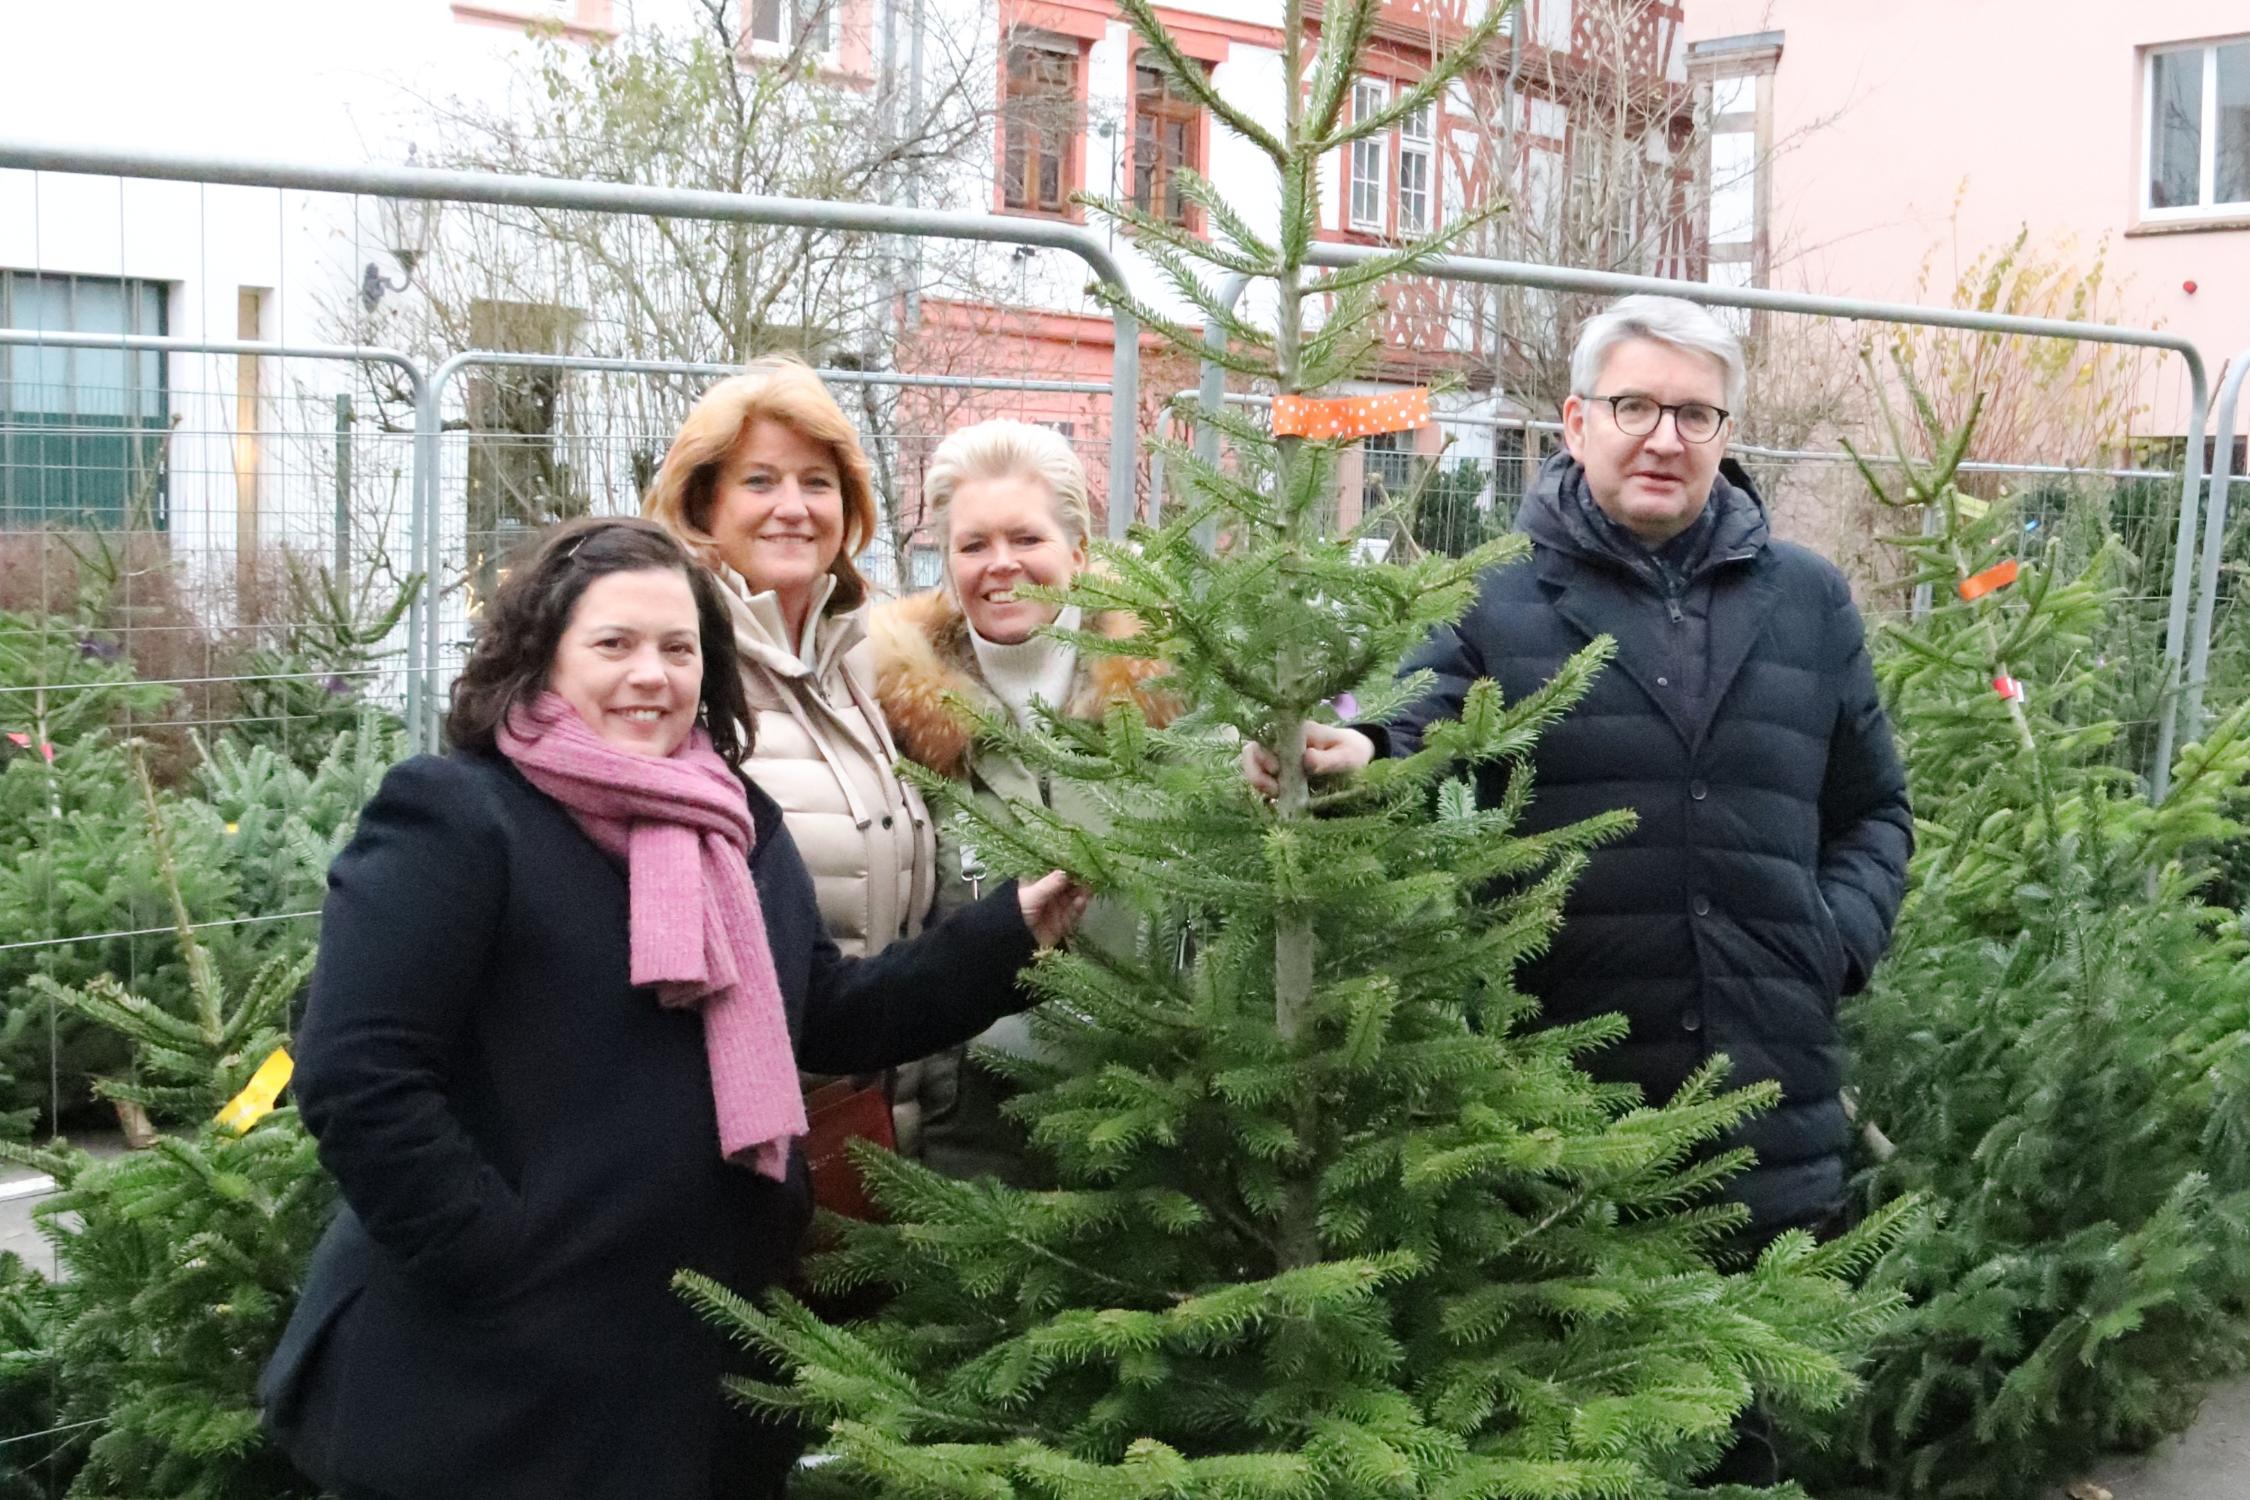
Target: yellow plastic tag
[(256, 1100)]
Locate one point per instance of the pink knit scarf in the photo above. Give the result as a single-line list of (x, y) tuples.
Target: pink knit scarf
[(682, 828)]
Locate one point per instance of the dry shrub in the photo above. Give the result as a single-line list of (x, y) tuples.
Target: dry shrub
[(128, 595)]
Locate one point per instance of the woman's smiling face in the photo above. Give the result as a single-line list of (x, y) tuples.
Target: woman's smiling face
[(777, 511), (631, 660), (999, 533)]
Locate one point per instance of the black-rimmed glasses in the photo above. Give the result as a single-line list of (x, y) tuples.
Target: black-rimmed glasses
[(1637, 416)]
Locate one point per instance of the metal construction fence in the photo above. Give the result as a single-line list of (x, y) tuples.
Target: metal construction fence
[(246, 506)]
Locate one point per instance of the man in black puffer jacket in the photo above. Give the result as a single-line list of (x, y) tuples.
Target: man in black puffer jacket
[(1739, 720)]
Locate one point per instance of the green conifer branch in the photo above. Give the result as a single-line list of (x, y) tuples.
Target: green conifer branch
[(1344, 35), (1195, 79), (1448, 66), (1254, 257), (1149, 230), (1179, 334)]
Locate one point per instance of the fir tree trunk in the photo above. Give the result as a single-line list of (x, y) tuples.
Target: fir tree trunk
[(1295, 944)]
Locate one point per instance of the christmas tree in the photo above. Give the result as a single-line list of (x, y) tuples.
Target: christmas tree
[(1332, 1215), (2058, 1053), (180, 1264)]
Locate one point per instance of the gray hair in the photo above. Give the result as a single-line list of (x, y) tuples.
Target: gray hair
[(1004, 449), (1665, 320)]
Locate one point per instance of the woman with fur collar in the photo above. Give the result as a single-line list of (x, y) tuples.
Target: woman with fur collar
[(1010, 506)]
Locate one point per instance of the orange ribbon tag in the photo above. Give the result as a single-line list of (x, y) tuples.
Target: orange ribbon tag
[(1998, 576), (1350, 416)]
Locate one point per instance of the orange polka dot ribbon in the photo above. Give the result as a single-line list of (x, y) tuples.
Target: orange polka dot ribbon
[(1350, 416), (1977, 585)]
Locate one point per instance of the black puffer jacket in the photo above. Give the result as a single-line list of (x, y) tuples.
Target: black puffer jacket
[(1740, 721)]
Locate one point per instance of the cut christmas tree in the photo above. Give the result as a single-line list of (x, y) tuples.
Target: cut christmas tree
[(180, 1264), (1332, 1214), (2058, 1053)]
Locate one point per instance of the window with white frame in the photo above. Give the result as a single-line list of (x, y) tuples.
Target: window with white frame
[(1393, 185), (1415, 150), (2197, 131), (782, 25), (82, 429), (1370, 158)]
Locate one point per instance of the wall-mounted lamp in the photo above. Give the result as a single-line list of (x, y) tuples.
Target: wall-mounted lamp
[(407, 224), (373, 283)]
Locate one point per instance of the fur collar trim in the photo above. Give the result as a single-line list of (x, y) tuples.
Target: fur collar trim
[(921, 651)]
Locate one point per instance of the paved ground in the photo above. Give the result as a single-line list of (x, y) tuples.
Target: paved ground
[(17, 1232), (2210, 1461), (19, 1194)]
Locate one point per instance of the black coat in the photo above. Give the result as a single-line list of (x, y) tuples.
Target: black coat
[(528, 1149), (1740, 722)]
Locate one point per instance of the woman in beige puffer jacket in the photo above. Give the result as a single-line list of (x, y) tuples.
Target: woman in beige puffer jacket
[(767, 483)]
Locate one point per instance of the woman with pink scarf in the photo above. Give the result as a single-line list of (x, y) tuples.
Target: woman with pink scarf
[(567, 975)]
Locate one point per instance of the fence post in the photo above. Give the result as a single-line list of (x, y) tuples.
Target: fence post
[(1212, 392), (2177, 650), (2214, 536), (426, 544), (1124, 417), (342, 564)]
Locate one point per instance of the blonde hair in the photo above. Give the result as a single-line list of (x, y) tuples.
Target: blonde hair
[(779, 388), (1004, 449)]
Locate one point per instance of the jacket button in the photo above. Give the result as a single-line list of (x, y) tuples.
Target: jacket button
[(1691, 1019), (1663, 682), (1702, 906), (1698, 790), (886, 820)]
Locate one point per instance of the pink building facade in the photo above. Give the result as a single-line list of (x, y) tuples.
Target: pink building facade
[(1854, 143)]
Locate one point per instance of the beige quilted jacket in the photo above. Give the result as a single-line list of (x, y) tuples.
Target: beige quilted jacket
[(823, 752)]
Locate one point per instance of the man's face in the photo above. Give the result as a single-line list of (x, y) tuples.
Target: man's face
[(1656, 484)]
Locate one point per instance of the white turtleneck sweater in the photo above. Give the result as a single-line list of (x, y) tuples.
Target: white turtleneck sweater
[(1037, 668)]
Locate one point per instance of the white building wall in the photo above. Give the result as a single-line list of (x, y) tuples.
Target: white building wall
[(316, 80)]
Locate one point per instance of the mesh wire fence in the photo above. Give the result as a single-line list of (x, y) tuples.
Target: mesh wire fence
[(200, 589), (597, 439), (1459, 482), (207, 557)]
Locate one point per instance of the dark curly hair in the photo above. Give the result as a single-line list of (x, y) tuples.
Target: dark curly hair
[(524, 624)]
